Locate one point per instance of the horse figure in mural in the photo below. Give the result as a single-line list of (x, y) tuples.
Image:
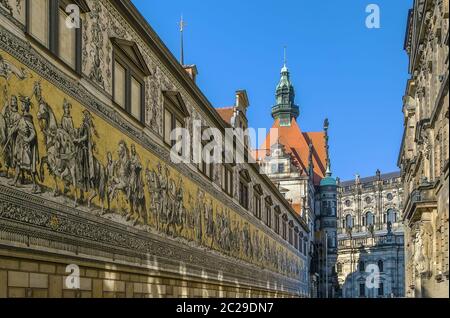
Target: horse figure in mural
[(61, 151), (124, 182)]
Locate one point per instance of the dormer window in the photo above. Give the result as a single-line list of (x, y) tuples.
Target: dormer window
[(129, 72)]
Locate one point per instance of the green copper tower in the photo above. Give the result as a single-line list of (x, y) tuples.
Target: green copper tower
[(285, 108)]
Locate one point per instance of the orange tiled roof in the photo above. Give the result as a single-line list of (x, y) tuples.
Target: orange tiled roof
[(296, 144), (226, 113), (297, 208)]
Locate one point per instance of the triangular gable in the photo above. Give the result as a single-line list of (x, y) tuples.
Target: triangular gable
[(177, 101), (258, 189), (269, 200), (132, 52), (81, 4), (245, 175)]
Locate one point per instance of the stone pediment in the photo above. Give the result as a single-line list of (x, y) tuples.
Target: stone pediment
[(132, 52), (176, 100)]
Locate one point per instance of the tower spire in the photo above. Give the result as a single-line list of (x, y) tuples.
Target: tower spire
[(182, 24), (326, 125), (285, 108)]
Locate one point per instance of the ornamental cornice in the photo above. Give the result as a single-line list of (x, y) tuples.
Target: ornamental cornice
[(33, 222)]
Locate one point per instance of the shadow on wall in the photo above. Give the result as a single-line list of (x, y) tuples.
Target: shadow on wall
[(375, 275)]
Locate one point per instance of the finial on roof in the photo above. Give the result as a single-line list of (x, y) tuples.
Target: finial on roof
[(326, 125), (182, 24), (285, 68)]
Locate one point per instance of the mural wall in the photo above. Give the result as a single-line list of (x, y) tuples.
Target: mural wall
[(53, 146)]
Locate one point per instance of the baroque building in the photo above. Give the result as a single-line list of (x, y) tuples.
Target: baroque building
[(298, 163), (424, 153), (88, 187), (370, 237)]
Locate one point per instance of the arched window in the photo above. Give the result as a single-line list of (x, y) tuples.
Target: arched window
[(391, 216), (380, 266), (349, 221), (370, 220)]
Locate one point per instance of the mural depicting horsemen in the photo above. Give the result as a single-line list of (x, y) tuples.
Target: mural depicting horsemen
[(65, 144)]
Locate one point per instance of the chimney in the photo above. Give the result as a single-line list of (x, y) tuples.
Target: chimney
[(242, 100), (192, 71)]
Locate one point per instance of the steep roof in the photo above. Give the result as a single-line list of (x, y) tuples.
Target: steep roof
[(226, 113), (296, 144)]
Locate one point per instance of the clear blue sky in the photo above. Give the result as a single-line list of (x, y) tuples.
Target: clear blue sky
[(341, 70)]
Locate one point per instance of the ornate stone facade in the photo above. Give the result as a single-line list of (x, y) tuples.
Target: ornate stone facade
[(424, 154), (82, 182), (371, 236)]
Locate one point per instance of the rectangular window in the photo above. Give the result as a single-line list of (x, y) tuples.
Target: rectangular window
[(277, 224), (136, 98), (268, 216), (129, 77), (230, 182), (46, 23), (381, 289), (257, 205), (39, 22), (243, 194), (67, 41), (284, 230), (120, 76), (300, 245), (274, 168), (167, 126), (362, 290), (178, 125), (227, 180), (290, 236), (296, 242)]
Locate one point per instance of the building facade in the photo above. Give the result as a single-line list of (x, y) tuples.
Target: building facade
[(424, 153), (370, 237), (298, 164), (88, 187)]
